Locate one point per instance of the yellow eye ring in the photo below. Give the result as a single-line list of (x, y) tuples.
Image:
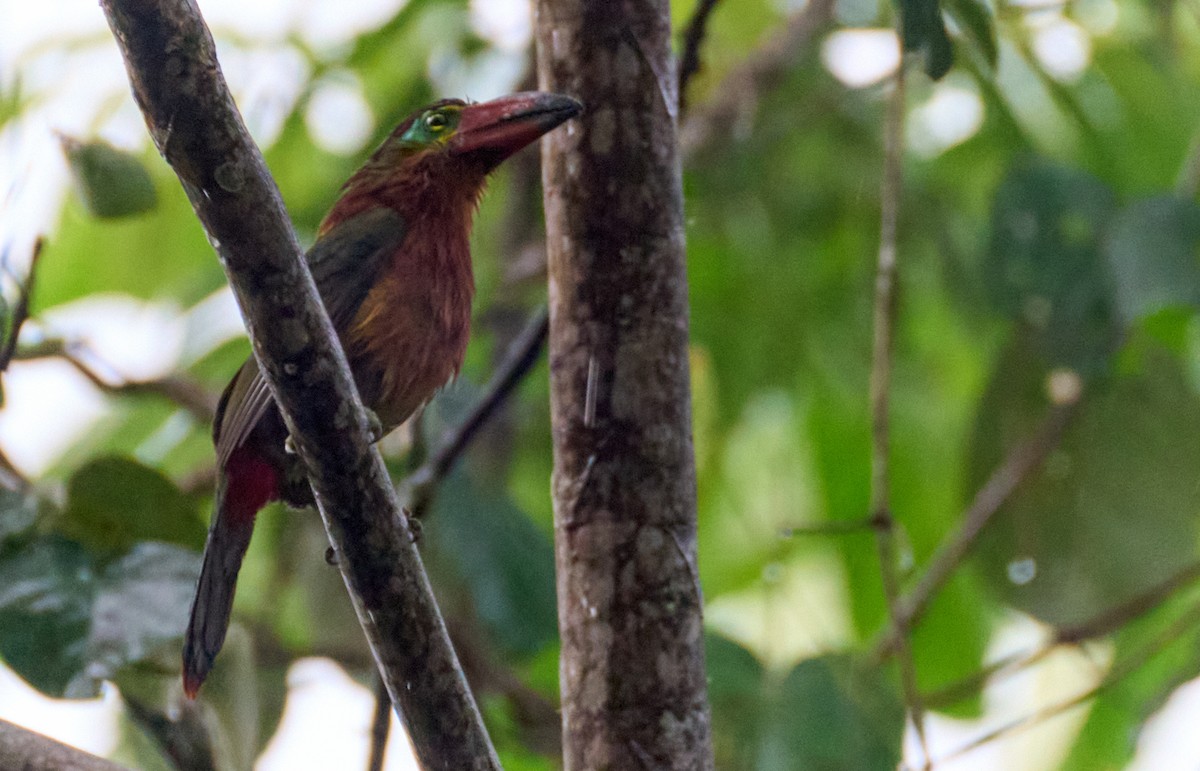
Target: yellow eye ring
[(435, 122)]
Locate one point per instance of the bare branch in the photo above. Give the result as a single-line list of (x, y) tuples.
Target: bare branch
[(20, 311), (1119, 671), (693, 39), (1104, 623), (881, 376), (1021, 462), (736, 100), (172, 65), (517, 363), (381, 726), (187, 393), (23, 749)]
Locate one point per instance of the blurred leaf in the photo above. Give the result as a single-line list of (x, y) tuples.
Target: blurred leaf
[(18, 515), (46, 595), (114, 502), (232, 692), (975, 17), (735, 691), (65, 625), (506, 561), (832, 715), (140, 608), (112, 183), (1113, 510), (1152, 252), (1044, 268), (1110, 735), (923, 32)]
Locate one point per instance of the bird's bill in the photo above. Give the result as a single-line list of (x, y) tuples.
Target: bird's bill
[(495, 130)]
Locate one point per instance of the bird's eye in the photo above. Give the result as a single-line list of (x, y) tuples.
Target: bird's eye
[(435, 122)]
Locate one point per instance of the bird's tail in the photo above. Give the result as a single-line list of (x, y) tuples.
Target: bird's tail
[(247, 484)]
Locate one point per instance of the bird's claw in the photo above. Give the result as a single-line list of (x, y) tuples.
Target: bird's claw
[(331, 556), (414, 526), (374, 426)]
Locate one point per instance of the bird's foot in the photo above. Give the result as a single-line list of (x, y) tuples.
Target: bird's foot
[(289, 445), (414, 526), (331, 556), (374, 426)]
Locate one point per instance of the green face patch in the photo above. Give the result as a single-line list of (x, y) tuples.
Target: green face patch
[(435, 125)]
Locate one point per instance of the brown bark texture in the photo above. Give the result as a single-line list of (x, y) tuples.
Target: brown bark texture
[(177, 82), (632, 667), (27, 750)]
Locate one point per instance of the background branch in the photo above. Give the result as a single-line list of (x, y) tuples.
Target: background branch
[(517, 363), (20, 311), (172, 65), (1023, 461), (693, 39), (27, 750), (736, 100), (185, 392)]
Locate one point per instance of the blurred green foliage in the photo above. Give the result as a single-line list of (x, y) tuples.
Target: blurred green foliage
[(1059, 237)]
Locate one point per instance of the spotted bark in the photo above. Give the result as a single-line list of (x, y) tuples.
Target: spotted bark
[(632, 668)]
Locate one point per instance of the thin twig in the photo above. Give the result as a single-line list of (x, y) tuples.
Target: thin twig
[(693, 40), (20, 311), (1020, 463), (381, 725), (188, 394), (1118, 672), (520, 359), (183, 736), (836, 527), (1104, 623), (881, 374), (736, 100)]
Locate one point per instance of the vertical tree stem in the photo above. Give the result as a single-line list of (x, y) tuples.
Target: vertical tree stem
[(632, 668), (881, 377)]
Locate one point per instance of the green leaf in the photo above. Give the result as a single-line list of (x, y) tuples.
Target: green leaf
[(46, 595), (66, 624), (976, 19), (738, 699), (505, 560), (112, 183), (1152, 252), (140, 608), (923, 32), (1044, 268), (114, 502), (832, 714), (1113, 509), (18, 515)]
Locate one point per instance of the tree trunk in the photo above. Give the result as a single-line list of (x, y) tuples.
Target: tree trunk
[(632, 669)]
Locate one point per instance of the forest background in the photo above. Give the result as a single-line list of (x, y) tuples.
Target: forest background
[(1044, 401)]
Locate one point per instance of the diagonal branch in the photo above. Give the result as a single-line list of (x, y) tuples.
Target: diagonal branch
[(20, 311), (519, 360), (172, 65), (188, 394), (761, 72), (1023, 461), (1104, 623), (27, 750), (693, 39), (1120, 670)]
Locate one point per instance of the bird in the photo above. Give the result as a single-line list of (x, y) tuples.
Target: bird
[(392, 265)]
